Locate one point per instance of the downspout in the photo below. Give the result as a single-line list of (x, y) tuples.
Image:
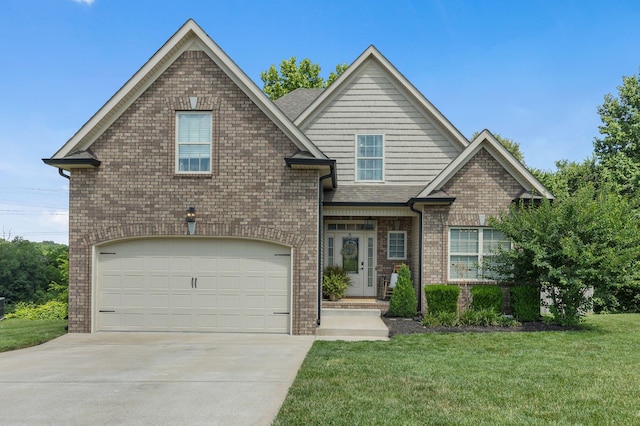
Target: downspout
[(420, 260), (61, 173), (320, 191)]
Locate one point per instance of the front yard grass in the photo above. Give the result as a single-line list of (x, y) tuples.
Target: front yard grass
[(21, 333), (587, 377)]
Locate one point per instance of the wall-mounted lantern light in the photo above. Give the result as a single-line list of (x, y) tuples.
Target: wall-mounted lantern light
[(191, 220)]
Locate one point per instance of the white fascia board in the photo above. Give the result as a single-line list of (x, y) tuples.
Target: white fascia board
[(181, 41)]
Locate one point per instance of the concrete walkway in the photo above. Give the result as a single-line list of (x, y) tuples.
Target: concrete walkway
[(150, 379), (352, 325)]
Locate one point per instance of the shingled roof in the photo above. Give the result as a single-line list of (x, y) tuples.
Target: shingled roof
[(293, 103)]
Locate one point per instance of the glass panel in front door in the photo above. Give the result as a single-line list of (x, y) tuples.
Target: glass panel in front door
[(350, 254)]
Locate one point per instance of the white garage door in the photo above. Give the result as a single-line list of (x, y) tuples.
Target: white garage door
[(190, 284)]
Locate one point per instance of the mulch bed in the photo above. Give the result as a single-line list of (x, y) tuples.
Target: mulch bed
[(413, 326)]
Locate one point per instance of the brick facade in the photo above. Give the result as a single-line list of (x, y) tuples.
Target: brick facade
[(482, 186), (251, 193)]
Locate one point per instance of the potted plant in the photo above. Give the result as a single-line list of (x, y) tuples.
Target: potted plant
[(335, 282)]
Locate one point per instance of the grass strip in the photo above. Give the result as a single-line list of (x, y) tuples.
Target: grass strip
[(584, 377), (21, 333)]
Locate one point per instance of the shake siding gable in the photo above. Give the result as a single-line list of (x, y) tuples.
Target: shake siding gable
[(251, 193), (371, 102)]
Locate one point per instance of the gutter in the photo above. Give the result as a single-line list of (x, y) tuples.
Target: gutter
[(331, 174), (420, 243), (61, 173)]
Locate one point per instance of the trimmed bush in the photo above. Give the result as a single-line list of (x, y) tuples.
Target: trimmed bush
[(442, 298), (487, 297), (403, 301), (525, 302)]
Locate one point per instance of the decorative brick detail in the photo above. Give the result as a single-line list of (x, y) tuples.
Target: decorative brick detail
[(135, 193), (482, 186)]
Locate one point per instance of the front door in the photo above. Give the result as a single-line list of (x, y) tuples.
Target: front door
[(354, 251)]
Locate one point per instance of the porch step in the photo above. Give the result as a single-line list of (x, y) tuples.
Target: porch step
[(352, 324)]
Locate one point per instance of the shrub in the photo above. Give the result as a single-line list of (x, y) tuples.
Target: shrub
[(403, 301), (52, 310), (623, 298), (447, 319), (480, 317), (525, 302), (487, 297), (442, 298), (335, 281)]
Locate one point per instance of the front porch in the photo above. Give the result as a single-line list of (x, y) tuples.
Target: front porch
[(358, 303)]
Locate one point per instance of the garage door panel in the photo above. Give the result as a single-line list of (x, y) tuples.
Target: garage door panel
[(277, 303), (255, 283), (159, 300), (205, 301), (158, 282), (207, 282), (228, 321), (151, 285), (132, 280), (255, 301), (133, 300), (180, 301)]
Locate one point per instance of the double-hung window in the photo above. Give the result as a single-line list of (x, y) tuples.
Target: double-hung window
[(397, 245), (193, 142), (470, 248), (369, 158)]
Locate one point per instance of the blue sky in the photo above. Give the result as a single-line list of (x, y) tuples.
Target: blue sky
[(532, 71)]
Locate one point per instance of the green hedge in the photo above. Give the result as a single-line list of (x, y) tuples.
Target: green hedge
[(442, 298), (525, 302), (487, 297), (52, 310)]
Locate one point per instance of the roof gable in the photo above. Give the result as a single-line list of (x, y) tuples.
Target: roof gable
[(404, 85), (487, 141), (189, 37)]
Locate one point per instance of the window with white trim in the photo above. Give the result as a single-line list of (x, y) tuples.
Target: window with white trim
[(397, 245), (193, 142), (469, 248), (369, 158)]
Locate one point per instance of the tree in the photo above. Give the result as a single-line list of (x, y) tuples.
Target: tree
[(33, 272), (618, 151), (512, 146), (569, 177), (293, 76), (587, 241), (620, 122), (23, 271), (403, 301)]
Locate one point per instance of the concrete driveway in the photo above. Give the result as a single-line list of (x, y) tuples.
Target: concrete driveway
[(150, 379)]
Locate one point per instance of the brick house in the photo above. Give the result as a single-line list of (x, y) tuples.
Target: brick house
[(197, 204)]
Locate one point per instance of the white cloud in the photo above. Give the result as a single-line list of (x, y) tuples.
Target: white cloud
[(89, 2)]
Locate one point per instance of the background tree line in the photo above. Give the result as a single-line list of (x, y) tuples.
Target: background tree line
[(33, 272), (588, 238)]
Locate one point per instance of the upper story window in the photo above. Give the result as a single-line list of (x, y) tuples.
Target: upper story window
[(369, 158), (193, 142), (469, 248)]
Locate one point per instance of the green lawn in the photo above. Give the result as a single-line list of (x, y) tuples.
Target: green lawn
[(589, 377), (21, 333)]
